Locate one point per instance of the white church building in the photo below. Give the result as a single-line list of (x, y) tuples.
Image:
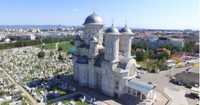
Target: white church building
[(103, 61)]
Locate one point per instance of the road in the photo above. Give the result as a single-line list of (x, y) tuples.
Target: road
[(176, 95), (30, 97), (161, 80)]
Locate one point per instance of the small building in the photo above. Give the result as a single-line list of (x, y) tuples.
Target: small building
[(21, 37), (177, 42), (7, 40)]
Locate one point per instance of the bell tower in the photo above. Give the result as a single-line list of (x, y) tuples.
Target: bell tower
[(112, 44)]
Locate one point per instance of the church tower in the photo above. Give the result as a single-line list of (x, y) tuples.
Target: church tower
[(93, 37), (111, 56), (112, 44), (125, 42)]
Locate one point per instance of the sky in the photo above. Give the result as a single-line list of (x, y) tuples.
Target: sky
[(153, 14)]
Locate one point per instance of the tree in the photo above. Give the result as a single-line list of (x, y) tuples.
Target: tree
[(41, 54), (167, 46), (163, 53), (60, 48), (188, 47), (72, 42), (152, 66), (140, 55), (51, 53), (60, 57), (141, 45)]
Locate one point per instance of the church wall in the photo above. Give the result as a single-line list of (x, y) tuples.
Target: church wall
[(83, 51), (119, 83), (107, 79), (91, 75), (76, 71), (83, 74)]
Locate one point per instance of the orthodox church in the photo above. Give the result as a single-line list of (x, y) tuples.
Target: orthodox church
[(103, 60)]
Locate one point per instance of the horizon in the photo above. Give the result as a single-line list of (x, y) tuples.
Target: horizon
[(36, 25), (143, 14)]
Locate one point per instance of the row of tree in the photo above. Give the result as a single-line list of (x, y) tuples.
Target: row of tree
[(23, 43)]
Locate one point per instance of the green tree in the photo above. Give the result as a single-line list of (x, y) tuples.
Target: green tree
[(153, 66), (188, 47), (51, 53), (163, 55), (41, 54), (60, 57), (60, 48), (140, 55)]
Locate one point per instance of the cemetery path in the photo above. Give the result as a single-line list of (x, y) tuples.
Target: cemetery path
[(30, 97)]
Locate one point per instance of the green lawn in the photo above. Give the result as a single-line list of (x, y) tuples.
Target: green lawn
[(67, 102), (5, 103), (81, 103), (65, 45)]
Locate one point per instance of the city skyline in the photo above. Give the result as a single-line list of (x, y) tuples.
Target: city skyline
[(170, 14)]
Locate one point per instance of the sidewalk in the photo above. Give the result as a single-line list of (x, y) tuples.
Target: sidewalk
[(177, 96), (161, 99)]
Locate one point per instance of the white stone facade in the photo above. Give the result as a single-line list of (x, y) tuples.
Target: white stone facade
[(103, 59)]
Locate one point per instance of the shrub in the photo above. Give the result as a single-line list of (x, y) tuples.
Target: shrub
[(41, 54)]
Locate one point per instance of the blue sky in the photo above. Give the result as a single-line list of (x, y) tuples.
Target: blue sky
[(165, 14)]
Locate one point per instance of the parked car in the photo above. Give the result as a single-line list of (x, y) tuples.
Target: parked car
[(138, 76), (188, 85), (192, 96), (174, 81)]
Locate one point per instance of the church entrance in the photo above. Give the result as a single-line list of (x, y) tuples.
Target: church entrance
[(116, 95)]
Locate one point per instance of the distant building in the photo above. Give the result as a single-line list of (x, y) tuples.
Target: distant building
[(177, 42), (154, 41), (7, 40), (22, 37)]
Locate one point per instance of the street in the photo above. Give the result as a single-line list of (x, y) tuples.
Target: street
[(175, 92)]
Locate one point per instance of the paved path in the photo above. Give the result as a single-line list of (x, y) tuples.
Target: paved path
[(161, 80), (33, 101), (161, 99), (177, 96)]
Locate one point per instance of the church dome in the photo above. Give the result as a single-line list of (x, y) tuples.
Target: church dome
[(126, 30), (112, 29), (93, 19)]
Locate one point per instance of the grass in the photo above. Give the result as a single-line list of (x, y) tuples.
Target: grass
[(65, 45), (5, 103), (38, 90), (60, 91), (67, 102), (81, 103)]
